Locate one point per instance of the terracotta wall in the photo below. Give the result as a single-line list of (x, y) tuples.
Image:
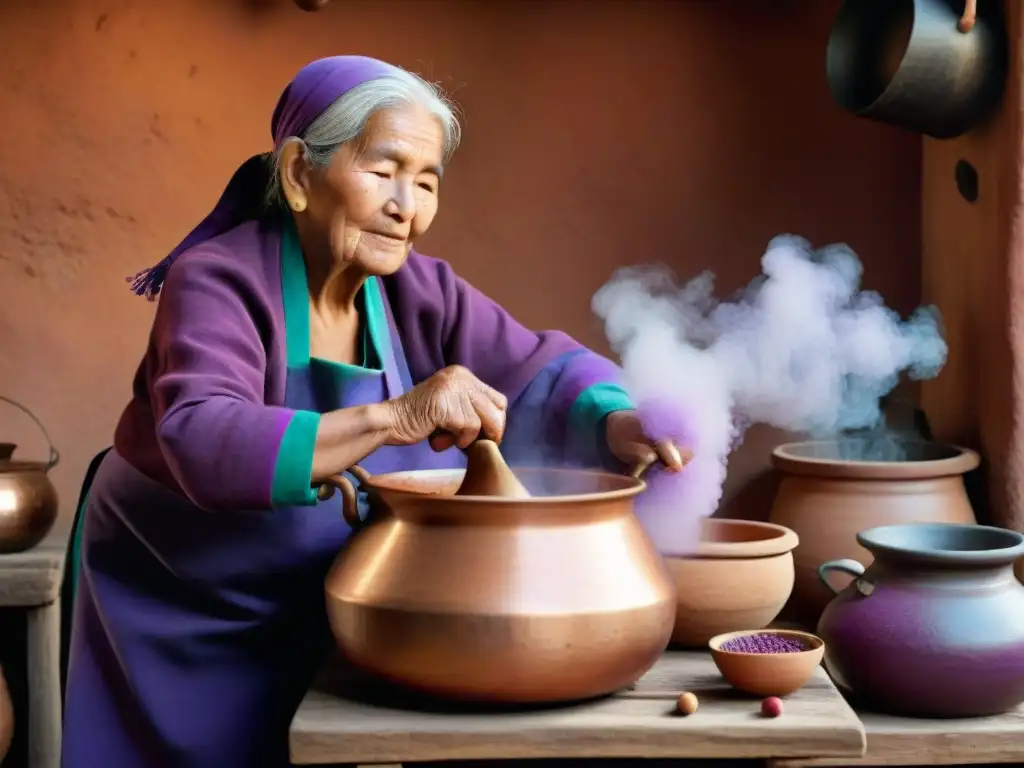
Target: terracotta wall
[(597, 135)]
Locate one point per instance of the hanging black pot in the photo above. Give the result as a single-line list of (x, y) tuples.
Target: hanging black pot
[(932, 66)]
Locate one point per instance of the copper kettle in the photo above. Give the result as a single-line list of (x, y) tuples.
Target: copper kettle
[(555, 597), (28, 500)]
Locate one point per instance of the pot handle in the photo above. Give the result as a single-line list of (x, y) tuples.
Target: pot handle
[(54, 457), (685, 456), (845, 565), (349, 499)]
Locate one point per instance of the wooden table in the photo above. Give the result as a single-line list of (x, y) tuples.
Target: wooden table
[(910, 741), (31, 580), (337, 724)]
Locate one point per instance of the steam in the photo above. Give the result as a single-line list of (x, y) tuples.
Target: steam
[(801, 348)]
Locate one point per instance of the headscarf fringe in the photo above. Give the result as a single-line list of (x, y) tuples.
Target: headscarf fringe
[(148, 282)]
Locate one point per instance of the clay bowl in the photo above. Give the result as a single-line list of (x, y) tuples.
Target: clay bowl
[(740, 578), (768, 674)]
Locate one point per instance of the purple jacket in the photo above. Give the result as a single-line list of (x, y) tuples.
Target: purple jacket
[(207, 416)]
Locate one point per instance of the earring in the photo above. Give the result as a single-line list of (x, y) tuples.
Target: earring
[(299, 206)]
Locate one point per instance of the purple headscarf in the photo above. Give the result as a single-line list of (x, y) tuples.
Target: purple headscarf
[(314, 89)]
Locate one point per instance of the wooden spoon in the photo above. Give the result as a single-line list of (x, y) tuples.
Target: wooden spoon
[(682, 455), (487, 474)]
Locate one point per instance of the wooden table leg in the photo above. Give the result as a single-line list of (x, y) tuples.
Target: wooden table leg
[(44, 709)]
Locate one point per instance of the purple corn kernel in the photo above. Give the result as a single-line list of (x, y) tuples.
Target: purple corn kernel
[(764, 643)]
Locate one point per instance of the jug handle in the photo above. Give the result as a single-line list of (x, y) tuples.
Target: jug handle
[(637, 473), (51, 462), (845, 565), (349, 500)]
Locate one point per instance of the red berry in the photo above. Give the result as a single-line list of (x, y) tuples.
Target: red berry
[(771, 707)]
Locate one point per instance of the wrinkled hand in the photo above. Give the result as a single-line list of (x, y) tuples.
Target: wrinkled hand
[(628, 443), (453, 406)]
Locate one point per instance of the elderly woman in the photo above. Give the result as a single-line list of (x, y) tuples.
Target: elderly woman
[(292, 340)]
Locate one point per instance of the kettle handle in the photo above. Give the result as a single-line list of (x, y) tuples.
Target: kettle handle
[(54, 457), (845, 565), (349, 499)]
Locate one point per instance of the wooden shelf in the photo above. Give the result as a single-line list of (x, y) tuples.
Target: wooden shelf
[(31, 581), (918, 741), (32, 578), (335, 723), (912, 741)]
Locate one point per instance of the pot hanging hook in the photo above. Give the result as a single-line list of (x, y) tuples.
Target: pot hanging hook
[(969, 16)]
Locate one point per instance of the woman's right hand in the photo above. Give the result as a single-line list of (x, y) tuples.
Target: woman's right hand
[(453, 405)]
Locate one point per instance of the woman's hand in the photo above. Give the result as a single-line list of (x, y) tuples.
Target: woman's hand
[(453, 403), (628, 443)]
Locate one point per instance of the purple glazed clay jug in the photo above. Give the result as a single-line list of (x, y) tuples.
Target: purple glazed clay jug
[(934, 627)]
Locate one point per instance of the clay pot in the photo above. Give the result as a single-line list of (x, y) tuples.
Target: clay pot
[(932, 627), (555, 597), (828, 494), (740, 578)]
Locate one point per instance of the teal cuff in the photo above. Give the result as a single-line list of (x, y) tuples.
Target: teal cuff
[(293, 470), (593, 404), (75, 562)]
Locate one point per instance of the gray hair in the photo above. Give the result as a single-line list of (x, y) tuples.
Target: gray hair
[(346, 119)]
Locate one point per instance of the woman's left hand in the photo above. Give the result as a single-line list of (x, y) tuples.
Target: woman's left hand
[(628, 443)]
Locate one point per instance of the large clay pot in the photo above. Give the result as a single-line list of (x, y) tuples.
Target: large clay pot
[(556, 597), (829, 493), (740, 578), (932, 628), (28, 500)]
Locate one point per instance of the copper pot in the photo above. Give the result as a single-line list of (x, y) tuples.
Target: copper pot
[(933, 66), (557, 597), (830, 493), (28, 500)]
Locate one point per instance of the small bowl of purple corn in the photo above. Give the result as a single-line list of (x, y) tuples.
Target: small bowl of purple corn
[(767, 662)]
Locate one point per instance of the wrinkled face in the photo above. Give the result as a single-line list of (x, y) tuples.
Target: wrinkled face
[(377, 195)]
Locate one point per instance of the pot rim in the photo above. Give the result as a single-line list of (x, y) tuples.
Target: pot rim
[(874, 541), (782, 541), (959, 462), (814, 643), (631, 487), (18, 465)]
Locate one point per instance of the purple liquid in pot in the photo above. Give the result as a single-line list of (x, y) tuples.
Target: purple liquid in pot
[(766, 643)]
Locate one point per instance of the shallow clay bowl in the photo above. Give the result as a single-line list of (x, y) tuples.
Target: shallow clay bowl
[(768, 674)]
